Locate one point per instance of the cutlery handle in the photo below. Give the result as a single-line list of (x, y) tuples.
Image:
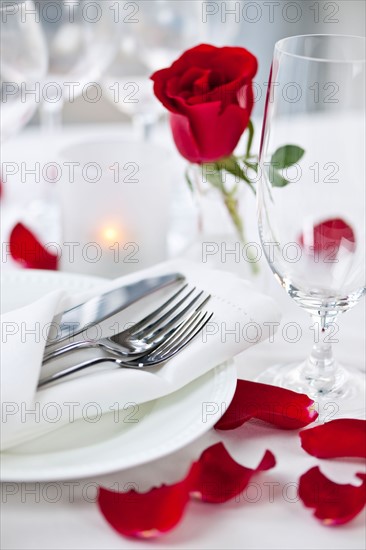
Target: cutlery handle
[(48, 356), (77, 368)]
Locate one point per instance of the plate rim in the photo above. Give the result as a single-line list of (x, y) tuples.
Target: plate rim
[(43, 473)]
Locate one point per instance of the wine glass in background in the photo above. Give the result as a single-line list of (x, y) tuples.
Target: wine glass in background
[(311, 199), (127, 86), (82, 39), (23, 64), (156, 35), (168, 28), (220, 25), (165, 30)]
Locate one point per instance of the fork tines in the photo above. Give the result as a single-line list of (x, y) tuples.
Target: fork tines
[(164, 321)]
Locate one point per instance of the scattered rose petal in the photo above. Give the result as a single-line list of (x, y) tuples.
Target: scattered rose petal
[(215, 477), (145, 515), (28, 251), (344, 437), (278, 406), (328, 237), (218, 478), (334, 503)]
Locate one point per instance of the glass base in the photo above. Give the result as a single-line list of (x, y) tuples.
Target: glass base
[(339, 394)]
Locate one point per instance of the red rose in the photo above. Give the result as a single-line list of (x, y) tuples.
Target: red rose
[(209, 94)]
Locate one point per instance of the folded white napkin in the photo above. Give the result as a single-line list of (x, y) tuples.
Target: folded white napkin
[(242, 317)]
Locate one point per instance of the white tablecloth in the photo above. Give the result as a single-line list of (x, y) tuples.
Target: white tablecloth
[(267, 516)]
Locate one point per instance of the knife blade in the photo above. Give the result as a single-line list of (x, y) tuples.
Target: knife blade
[(77, 319)]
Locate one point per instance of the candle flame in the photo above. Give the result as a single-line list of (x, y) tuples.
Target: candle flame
[(110, 234)]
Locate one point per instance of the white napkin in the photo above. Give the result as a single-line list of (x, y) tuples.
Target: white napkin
[(242, 317)]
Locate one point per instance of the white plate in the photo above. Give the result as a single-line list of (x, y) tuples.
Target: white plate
[(119, 440)]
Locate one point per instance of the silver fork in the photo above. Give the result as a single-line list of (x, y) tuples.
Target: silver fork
[(187, 331), (145, 335)]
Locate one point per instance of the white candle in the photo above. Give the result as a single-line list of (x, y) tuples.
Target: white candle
[(115, 207)]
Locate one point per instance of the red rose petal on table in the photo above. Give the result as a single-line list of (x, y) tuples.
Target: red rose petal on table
[(145, 515), (334, 503), (28, 251), (216, 477), (343, 437), (278, 406), (328, 236)]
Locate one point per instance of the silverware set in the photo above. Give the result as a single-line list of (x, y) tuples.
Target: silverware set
[(151, 341)]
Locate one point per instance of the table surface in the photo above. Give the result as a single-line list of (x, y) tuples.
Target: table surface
[(268, 515)]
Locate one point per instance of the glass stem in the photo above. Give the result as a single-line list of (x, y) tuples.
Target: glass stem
[(321, 370), (321, 358)]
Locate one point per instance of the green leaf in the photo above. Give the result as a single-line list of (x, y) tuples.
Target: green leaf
[(276, 178), (286, 156), (231, 165)]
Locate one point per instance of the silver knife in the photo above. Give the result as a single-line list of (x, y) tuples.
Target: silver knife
[(77, 319)]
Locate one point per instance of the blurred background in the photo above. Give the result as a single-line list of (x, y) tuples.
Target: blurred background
[(75, 71), (153, 32)]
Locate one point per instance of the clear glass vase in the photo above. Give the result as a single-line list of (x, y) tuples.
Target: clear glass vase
[(226, 232)]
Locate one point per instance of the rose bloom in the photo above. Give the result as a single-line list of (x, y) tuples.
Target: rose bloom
[(209, 94)]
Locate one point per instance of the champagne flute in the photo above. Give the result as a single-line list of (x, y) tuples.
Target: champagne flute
[(311, 199)]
